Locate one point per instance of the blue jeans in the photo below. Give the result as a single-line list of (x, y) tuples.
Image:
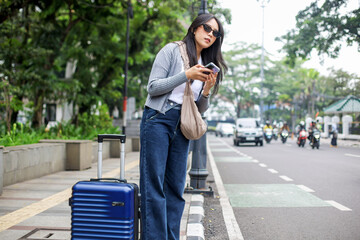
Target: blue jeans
[(163, 157)]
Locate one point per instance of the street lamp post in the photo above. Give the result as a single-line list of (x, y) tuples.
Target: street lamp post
[(198, 172), (203, 7), (129, 15), (262, 61)]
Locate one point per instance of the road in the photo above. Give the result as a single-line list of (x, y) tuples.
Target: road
[(280, 191)]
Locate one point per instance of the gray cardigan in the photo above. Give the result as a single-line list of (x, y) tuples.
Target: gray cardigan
[(166, 74)]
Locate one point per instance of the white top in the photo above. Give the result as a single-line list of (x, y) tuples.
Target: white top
[(333, 127), (178, 92)]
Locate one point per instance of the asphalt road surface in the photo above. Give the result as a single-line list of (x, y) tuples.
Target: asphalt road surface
[(280, 191)]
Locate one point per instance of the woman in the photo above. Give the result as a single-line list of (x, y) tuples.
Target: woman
[(164, 149)]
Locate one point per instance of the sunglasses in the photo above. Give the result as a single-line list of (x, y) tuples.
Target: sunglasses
[(208, 29)]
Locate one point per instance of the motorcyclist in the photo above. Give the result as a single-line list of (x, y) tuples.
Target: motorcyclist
[(300, 127), (284, 127), (267, 126), (311, 130)]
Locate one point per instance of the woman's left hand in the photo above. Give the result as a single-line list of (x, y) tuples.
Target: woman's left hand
[(210, 83)]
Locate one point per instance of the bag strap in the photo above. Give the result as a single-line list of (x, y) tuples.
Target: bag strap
[(184, 56)]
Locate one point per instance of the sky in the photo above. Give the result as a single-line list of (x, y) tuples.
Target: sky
[(279, 16)]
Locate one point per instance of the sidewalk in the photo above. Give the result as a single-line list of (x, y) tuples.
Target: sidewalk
[(341, 142), (38, 208)]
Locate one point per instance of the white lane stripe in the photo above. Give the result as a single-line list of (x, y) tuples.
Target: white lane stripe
[(338, 205), (232, 227), (306, 189), (286, 178), (255, 161), (352, 155), (272, 170), (262, 165)]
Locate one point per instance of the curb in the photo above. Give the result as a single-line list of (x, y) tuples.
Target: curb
[(195, 228)]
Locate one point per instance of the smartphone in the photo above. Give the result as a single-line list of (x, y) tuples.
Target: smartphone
[(213, 67)]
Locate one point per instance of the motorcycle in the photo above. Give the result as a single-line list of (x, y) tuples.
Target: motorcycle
[(315, 139), (275, 134), (268, 135), (302, 138), (284, 135)]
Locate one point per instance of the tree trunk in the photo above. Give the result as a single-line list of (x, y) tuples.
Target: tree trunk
[(238, 109), (38, 109)]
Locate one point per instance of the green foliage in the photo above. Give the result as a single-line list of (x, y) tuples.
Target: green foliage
[(289, 93), (238, 87), (18, 135), (322, 27), (89, 127)]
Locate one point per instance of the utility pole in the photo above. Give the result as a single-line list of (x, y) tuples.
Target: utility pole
[(129, 15), (262, 61)]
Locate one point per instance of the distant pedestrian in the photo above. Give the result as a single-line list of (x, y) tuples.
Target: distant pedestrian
[(334, 134), (318, 125)]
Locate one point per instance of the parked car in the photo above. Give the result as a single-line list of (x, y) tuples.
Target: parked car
[(211, 126), (248, 130), (224, 129)]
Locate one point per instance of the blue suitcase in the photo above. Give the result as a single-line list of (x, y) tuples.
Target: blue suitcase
[(105, 208)]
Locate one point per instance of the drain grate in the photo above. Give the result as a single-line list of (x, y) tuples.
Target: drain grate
[(47, 233)]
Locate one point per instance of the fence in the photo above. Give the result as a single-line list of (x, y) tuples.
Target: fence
[(354, 128)]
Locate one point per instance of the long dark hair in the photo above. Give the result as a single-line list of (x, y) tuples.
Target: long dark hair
[(210, 54)]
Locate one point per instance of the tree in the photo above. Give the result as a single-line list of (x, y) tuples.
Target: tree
[(238, 86), (39, 39), (324, 28)]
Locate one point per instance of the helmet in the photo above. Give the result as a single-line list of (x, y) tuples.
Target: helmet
[(267, 122), (302, 123)]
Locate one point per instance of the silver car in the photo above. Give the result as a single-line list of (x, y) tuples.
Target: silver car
[(248, 130), (224, 129)]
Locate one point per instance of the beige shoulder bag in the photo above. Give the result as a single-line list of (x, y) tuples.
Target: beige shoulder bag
[(191, 123)]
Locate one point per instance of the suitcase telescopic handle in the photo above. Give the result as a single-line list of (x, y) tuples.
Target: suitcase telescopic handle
[(122, 139), (108, 179)]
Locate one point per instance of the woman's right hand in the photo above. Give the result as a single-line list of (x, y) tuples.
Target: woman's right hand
[(197, 73)]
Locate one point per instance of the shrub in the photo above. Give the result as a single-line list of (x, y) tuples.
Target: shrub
[(89, 126)]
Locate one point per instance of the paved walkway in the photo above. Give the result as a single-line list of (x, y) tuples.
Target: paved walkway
[(38, 208)]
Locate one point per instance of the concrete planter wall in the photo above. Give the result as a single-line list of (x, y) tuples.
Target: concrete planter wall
[(26, 162), (78, 153)]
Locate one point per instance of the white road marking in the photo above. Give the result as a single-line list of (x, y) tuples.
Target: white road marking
[(306, 189), (231, 224), (272, 170), (352, 155), (255, 161), (262, 165), (286, 178), (338, 205)]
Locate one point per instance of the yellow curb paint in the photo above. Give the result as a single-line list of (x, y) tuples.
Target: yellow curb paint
[(24, 213)]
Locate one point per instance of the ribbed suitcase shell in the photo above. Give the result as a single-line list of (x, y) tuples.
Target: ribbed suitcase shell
[(104, 210)]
